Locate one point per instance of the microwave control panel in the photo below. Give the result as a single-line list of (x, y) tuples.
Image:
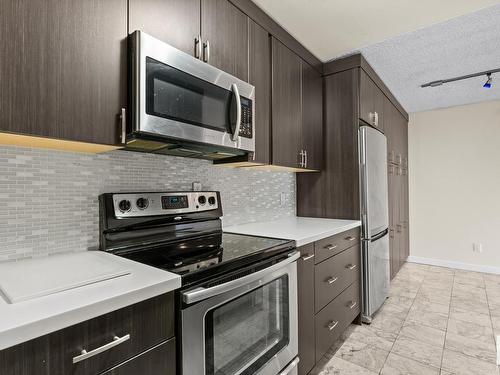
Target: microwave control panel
[(246, 127)]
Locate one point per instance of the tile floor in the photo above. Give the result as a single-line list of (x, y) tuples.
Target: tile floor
[(437, 321)]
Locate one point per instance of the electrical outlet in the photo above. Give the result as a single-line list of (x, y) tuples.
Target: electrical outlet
[(477, 248), (282, 199)]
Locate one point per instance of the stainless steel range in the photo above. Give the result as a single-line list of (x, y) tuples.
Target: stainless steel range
[(237, 307)]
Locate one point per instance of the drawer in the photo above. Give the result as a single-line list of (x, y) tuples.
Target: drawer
[(328, 247), (332, 321), (335, 274), (351, 303)]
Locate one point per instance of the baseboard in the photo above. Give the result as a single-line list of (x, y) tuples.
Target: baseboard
[(452, 264)]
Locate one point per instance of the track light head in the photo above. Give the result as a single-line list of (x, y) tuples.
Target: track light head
[(489, 81)]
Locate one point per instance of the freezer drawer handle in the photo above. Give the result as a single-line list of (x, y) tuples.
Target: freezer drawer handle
[(352, 305), (85, 354), (331, 280), (330, 247), (331, 325), (350, 266), (350, 238)]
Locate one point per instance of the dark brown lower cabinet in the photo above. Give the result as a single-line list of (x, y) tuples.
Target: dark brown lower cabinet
[(328, 295), (148, 324), (305, 274), (158, 360)]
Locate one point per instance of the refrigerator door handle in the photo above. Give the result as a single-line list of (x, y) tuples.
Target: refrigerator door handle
[(380, 235)]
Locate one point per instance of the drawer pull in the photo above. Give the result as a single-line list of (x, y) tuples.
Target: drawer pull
[(331, 326), (330, 247), (350, 238), (307, 257), (350, 266), (85, 355), (331, 280), (352, 305)]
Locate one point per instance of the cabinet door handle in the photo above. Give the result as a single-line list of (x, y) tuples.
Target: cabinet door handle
[(331, 280), (197, 47), (352, 305), (123, 123), (330, 247), (305, 158), (350, 266), (301, 163), (374, 118), (206, 51), (350, 238), (331, 325), (85, 355), (307, 257)]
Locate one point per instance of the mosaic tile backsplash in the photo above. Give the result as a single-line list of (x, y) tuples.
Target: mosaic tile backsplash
[(49, 199)]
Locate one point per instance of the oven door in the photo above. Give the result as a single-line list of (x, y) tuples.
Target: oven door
[(245, 326), (180, 97)]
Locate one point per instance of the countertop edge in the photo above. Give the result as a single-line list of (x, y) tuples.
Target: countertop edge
[(33, 330), (322, 235)]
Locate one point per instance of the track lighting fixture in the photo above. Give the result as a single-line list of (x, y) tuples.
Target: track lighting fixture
[(488, 84)]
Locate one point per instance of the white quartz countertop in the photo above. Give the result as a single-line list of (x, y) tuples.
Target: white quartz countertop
[(302, 230), (26, 320)]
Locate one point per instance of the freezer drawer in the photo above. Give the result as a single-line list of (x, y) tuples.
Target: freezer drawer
[(376, 274)]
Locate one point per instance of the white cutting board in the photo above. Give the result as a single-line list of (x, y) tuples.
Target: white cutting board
[(33, 278)]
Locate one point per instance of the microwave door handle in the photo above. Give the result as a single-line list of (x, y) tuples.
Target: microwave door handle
[(236, 127)]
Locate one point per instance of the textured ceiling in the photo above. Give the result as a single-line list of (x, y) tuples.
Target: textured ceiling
[(330, 28), (463, 45)]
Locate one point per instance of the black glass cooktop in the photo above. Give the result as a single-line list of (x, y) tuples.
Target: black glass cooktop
[(217, 252)]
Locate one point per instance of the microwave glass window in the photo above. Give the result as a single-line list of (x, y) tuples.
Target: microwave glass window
[(245, 333), (176, 95)]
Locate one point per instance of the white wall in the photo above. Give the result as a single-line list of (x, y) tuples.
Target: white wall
[(454, 156)]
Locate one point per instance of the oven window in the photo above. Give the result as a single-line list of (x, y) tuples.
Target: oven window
[(176, 95), (245, 333)]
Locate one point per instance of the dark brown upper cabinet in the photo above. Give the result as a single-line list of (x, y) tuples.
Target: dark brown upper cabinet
[(260, 77), (176, 22), (286, 107), (371, 102), (63, 68), (224, 31), (312, 117)]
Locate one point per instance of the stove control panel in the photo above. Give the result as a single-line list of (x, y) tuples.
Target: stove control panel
[(154, 204)]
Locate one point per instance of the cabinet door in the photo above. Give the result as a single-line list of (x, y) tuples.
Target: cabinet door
[(225, 28), (312, 116), (371, 101), (159, 360), (176, 22), (260, 77), (63, 68), (305, 275), (286, 106)]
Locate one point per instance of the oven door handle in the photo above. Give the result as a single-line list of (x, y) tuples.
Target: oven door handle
[(199, 294), (237, 102), (288, 369)]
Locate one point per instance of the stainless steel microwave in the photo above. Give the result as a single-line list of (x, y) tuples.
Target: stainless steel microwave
[(184, 106)]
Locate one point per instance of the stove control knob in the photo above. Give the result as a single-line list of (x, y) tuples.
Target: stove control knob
[(124, 205), (211, 200), (202, 199), (142, 203)]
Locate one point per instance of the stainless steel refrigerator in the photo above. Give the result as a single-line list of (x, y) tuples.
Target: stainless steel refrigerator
[(375, 219)]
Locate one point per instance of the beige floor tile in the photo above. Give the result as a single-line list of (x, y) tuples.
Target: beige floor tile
[(424, 334), (395, 310), (337, 366), (459, 364), (471, 347), (428, 318), (362, 355), (466, 316), (443, 372), (387, 323), (403, 292), (471, 330), (398, 365), (471, 293), (418, 351), (467, 304), (434, 297), (374, 337), (425, 305), (401, 301)]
